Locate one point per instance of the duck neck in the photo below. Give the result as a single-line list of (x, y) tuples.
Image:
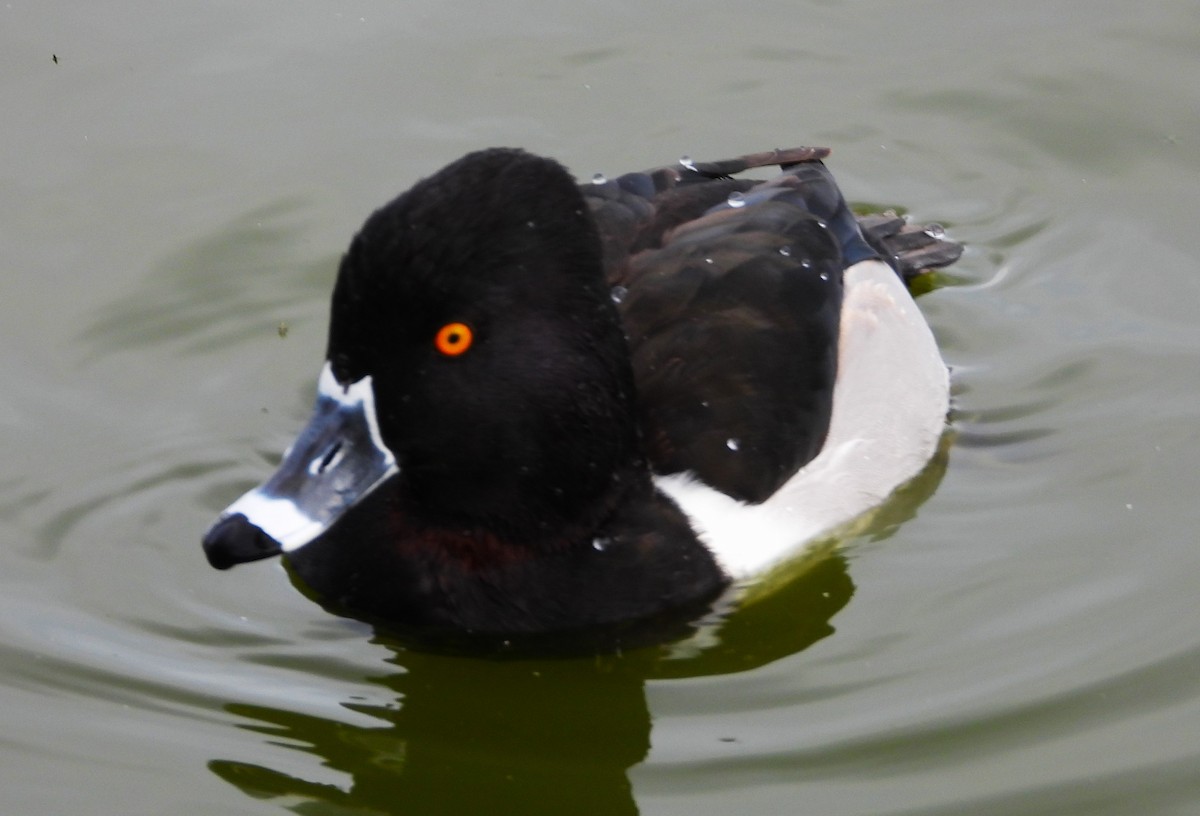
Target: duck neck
[(639, 575)]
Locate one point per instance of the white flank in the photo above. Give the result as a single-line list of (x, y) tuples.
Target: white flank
[(889, 410)]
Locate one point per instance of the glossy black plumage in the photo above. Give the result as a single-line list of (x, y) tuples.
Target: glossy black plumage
[(730, 293)]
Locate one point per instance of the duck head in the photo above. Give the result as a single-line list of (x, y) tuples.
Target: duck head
[(474, 412)]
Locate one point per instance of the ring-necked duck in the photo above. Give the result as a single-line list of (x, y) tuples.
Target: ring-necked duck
[(554, 408)]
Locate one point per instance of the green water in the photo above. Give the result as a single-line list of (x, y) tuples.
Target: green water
[(1016, 635)]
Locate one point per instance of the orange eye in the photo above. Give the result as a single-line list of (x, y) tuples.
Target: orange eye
[(453, 339)]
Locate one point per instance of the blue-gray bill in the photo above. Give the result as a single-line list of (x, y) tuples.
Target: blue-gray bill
[(337, 460)]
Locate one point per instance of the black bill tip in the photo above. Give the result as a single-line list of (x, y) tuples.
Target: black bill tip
[(234, 540)]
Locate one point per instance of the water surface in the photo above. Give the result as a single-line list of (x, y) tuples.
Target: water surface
[(1017, 634)]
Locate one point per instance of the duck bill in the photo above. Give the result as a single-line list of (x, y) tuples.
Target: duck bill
[(337, 460)]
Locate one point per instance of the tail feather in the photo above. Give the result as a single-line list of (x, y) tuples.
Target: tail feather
[(910, 249)]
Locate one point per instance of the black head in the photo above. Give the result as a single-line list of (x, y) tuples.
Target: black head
[(476, 303)]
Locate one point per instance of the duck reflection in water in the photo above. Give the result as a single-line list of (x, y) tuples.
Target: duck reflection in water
[(470, 735)]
